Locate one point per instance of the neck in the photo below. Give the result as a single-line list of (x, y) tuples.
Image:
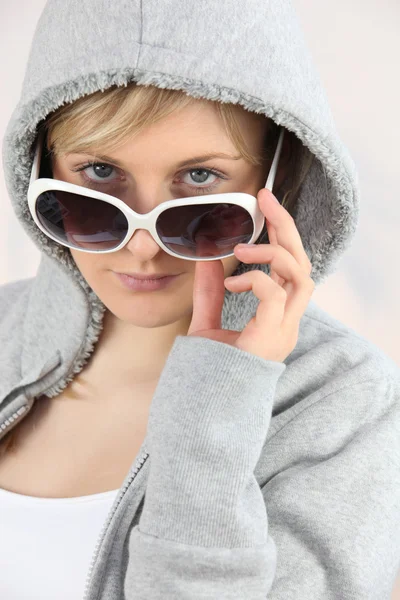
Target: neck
[(127, 355)]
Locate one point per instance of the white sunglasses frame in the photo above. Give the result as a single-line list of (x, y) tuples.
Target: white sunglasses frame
[(146, 221)]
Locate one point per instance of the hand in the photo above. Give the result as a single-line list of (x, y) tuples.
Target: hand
[(272, 333)]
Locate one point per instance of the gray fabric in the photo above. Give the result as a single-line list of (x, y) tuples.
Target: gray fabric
[(297, 493)]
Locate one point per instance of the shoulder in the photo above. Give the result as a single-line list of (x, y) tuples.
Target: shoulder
[(10, 291), (337, 349), (338, 396), (14, 298), (334, 368)]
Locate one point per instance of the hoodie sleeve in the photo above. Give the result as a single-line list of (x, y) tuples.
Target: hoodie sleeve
[(203, 531), (209, 530)]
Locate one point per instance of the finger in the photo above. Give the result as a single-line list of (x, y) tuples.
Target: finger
[(294, 297), (273, 241), (208, 296), (296, 304), (271, 309), (279, 259), (271, 233), (272, 237), (298, 286), (285, 232)]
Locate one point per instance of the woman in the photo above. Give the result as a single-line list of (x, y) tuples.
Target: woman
[(203, 437)]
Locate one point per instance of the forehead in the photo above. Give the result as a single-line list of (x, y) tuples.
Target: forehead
[(194, 131)]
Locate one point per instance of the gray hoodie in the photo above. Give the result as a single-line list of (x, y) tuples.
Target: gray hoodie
[(299, 495)]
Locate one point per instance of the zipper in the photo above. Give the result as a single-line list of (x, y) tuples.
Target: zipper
[(11, 419), (141, 460), (50, 365)]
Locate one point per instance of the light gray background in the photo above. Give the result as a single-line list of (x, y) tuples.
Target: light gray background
[(356, 47)]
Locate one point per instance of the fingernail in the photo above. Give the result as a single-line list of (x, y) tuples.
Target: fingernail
[(245, 245)]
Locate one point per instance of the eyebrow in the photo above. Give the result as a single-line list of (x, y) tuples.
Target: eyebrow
[(184, 163)]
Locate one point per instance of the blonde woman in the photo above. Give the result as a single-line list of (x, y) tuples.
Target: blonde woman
[(167, 431)]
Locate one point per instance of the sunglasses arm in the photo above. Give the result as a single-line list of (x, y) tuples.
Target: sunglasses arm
[(274, 166)]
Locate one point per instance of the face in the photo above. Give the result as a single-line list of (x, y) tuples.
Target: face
[(144, 173)]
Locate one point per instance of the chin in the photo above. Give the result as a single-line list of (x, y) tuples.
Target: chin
[(142, 309), (145, 309), (145, 320)]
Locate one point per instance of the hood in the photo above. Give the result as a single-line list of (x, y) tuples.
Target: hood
[(251, 53)]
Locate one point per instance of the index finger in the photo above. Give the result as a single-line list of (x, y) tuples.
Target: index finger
[(282, 229)]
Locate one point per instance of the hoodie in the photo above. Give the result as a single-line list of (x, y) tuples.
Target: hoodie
[(297, 494)]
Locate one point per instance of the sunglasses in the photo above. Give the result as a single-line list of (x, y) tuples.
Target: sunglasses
[(189, 228)]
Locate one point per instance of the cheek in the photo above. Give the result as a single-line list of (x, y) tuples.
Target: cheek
[(86, 263)]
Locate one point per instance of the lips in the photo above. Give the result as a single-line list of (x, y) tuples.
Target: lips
[(143, 276), (145, 285)]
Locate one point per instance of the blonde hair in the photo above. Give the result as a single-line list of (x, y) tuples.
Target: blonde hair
[(106, 119)]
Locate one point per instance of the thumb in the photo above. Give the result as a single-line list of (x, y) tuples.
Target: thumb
[(208, 296)]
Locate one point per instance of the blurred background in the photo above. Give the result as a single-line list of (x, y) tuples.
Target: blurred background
[(356, 48)]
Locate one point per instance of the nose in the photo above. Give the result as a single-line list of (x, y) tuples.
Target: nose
[(147, 195), (142, 245)]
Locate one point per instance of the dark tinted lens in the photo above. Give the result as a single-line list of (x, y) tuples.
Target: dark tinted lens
[(204, 230), (81, 221)]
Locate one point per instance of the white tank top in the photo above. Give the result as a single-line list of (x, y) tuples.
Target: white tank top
[(46, 544)]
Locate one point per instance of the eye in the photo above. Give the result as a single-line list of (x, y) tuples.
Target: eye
[(99, 171), (202, 176), (96, 172)]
